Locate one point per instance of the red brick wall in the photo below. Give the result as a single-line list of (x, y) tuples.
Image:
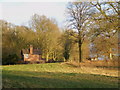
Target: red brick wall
[(32, 57)]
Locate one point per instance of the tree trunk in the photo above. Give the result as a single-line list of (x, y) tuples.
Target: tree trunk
[(54, 56), (80, 48), (47, 55), (80, 52), (110, 55)]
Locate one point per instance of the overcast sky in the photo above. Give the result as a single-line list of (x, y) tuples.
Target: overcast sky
[(19, 13)]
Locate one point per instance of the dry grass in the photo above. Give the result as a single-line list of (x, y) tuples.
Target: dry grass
[(108, 68), (108, 64)]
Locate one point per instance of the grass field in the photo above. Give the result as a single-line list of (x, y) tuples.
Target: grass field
[(53, 75)]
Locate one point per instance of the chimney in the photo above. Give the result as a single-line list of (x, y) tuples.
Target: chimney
[(31, 49)]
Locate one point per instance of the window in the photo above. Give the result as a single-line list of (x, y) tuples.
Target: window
[(26, 55)]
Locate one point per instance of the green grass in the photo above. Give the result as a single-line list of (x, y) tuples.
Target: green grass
[(53, 75)]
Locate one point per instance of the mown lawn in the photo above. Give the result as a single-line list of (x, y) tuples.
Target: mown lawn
[(53, 75)]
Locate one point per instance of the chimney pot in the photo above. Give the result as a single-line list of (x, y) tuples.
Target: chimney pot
[(31, 49)]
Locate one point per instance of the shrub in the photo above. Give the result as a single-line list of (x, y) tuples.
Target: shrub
[(37, 62), (10, 59)]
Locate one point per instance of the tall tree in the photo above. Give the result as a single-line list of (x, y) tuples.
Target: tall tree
[(78, 16), (67, 41), (105, 25), (47, 31)]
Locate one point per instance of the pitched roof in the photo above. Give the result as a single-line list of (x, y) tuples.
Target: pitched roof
[(35, 51), (25, 51)]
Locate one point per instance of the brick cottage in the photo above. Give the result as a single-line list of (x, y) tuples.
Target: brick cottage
[(31, 54)]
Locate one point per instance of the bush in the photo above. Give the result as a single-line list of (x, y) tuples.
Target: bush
[(37, 62), (10, 59), (50, 61)]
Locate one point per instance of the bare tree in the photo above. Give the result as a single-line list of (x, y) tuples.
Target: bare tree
[(48, 32), (107, 8), (107, 22), (78, 17)]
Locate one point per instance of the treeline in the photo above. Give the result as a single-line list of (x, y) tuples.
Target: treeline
[(92, 32)]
